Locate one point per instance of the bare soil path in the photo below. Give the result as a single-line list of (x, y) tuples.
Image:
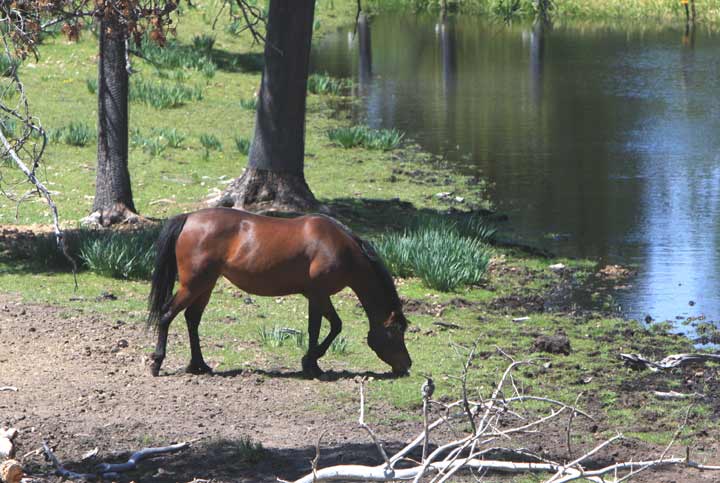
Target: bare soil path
[(83, 383)]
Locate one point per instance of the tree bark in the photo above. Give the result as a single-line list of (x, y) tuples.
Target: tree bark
[(274, 179), (113, 194)]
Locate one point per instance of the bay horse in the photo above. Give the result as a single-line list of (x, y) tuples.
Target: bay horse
[(312, 255)]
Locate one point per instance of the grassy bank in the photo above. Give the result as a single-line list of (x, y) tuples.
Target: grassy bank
[(182, 155), (667, 11)]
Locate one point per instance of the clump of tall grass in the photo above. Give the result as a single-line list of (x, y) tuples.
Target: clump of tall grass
[(203, 42), (163, 96), (441, 252), (7, 65), (74, 134), (155, 146), (339, 346), (280, 336), (242, 144), (92, 85), (174, 55), (249, 104), (120, 255), (354, 136), (210, 142), (173, 137), (325, 84)]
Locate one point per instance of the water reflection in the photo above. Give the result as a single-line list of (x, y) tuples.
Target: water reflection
[(599, 142)]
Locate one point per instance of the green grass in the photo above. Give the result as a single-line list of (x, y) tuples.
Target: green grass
[(363, 136)]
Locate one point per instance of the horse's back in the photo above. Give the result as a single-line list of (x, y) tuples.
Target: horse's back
[(267, 255)]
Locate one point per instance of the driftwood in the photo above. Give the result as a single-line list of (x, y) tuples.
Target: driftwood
[(637, 361), (497, 418), (108, 470)]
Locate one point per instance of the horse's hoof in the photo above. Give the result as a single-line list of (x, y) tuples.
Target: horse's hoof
[(155, 364), (310, 368), (198, 369)]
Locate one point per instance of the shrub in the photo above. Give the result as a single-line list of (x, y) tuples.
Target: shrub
[(243, 145), (324, 84), (438, 252), (353, 136)]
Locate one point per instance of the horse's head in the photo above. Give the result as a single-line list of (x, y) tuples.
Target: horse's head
[(388, 342)]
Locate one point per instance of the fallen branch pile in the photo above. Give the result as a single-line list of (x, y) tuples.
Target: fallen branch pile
[(489, 443)]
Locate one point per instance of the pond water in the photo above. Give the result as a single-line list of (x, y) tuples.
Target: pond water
[(598, 142)]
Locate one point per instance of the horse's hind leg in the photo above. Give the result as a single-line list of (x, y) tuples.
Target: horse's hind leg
[(319, 308), (183, 297), (193, 314)]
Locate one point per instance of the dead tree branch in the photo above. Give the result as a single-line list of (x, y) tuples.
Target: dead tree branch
[(495, 418), (637, 361)]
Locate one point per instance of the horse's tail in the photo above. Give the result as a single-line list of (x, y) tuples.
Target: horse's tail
[(165, 272)]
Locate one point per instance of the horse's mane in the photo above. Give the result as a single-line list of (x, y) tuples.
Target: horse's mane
[(368, 250)]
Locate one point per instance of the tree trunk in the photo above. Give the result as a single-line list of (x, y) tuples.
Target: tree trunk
[(274, 179), (113, 195)]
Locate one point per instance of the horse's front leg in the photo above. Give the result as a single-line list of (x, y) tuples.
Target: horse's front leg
[(315, 350)]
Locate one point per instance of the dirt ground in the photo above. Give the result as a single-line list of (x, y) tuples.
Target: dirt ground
[(83, 383)]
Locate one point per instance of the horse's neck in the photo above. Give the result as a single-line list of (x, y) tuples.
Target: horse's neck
[(375, 301)]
